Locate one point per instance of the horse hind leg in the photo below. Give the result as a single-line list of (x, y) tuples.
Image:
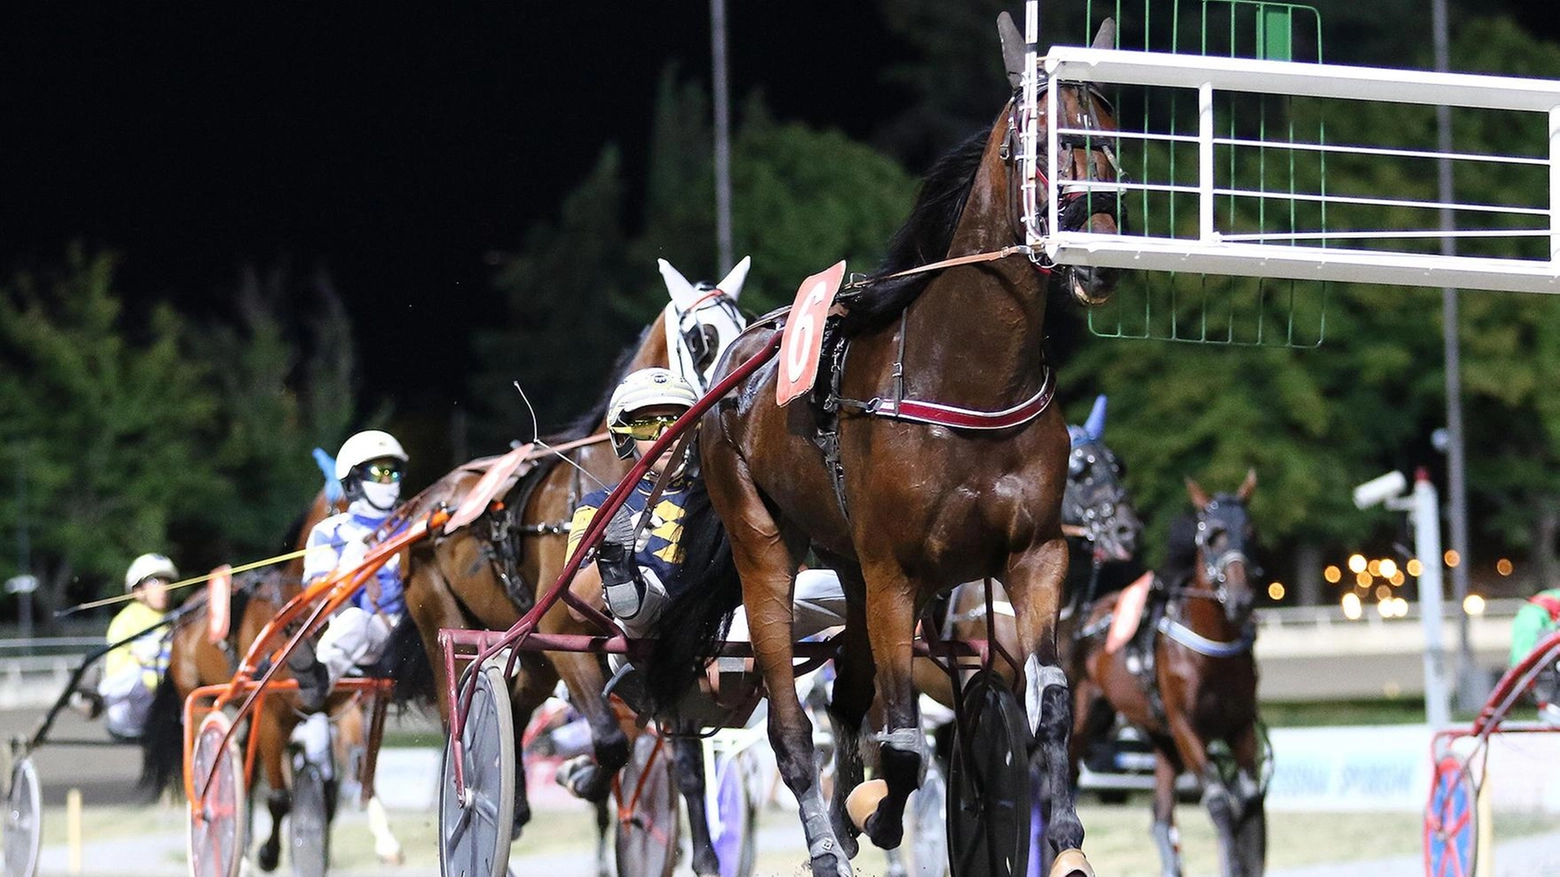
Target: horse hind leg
[(848, 707), (273, 749), (767, 566)]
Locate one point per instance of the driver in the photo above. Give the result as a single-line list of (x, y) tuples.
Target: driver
[(132, 671)]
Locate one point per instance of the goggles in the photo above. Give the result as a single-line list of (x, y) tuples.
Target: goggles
[(646, 429), (382, 473)]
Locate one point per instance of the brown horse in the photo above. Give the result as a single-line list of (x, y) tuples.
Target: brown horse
[(486, 575), (195, 661), (1193, 689), (908, 506)]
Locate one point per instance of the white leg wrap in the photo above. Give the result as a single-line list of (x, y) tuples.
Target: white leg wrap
[(1037, 679)]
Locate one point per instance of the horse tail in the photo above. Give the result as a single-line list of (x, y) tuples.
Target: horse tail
[(707, 591), (162, 741), (407, 663)]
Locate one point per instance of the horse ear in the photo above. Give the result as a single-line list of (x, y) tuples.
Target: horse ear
[(1248, 486), (1105, 38), (682, 292), (1013, 48), (1198, 495), (732, 283), (1095, 425)]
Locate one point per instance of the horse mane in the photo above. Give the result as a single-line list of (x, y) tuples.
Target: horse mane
[(586, 424), (923, 239)]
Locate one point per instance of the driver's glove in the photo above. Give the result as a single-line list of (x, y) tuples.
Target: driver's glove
[(620, 578)]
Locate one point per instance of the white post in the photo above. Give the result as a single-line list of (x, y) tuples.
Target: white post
[(1052, 146), (1205, 163), (1554, 184), (1030, 135), (1426, 517)]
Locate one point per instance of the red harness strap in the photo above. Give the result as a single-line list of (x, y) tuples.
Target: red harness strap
[(969, 418)]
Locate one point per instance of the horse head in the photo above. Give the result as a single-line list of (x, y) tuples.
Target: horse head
[(1095, 499), (1224, 537), (701, 320), (1083, 161)]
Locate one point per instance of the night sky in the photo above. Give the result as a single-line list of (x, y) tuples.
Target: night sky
[(396, 149)]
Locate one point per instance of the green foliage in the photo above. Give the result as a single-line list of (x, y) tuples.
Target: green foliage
[(105, 418), (138, 434), (281, 397)]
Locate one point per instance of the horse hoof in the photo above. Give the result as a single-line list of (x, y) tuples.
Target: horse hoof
[(864, 800), (395, 858), (1071, 863), (267, 858)]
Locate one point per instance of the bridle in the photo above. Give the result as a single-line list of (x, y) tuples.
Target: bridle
[(1076, 203), (697, 341), (1222, 516), (1094, 497)]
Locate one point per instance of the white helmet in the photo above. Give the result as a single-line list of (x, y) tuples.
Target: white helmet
[(146, 566), (370, 444), (646, 388)]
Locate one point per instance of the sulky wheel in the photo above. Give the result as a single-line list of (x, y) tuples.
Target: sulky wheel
[(23, 820), (1451, 821), (474, 827), (647, 811), (733, 821), (988, 783), (308, 824), (218, 804)]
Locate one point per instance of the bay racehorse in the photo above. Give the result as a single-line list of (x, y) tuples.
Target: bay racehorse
[(934, 459), (1188, 680), (486, 575)]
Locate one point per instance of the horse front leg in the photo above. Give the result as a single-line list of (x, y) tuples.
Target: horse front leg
[(1034, 584), (1222, 802), (582, 673), (688, 756), (902, 750), (1251, 826), (273, 748), (1167, 838)]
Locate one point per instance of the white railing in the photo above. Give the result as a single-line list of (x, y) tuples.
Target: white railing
[(1280, 249)]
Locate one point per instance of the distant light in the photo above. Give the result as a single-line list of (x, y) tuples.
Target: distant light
[(1386, 608), (1452, 558), (1351, 606), (1332, 574), (1362, 579), (1276, 591), (1356, 563), (1402, 606), (1397, 579), (1473, 604), (1374, 567), (1383, 593), (1389, 568), (1503, 566), (1414, 567)]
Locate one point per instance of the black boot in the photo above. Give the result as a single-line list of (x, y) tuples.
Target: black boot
[(313, 680)]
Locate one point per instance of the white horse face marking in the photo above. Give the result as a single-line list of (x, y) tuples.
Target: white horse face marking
[(701, 321)]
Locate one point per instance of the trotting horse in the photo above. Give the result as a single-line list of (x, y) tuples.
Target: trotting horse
[(1194, 690), (485, 576), (952, 472)]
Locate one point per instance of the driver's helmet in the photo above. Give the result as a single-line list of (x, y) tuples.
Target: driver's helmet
[(641, 390), (369, 466), (148, 566)]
